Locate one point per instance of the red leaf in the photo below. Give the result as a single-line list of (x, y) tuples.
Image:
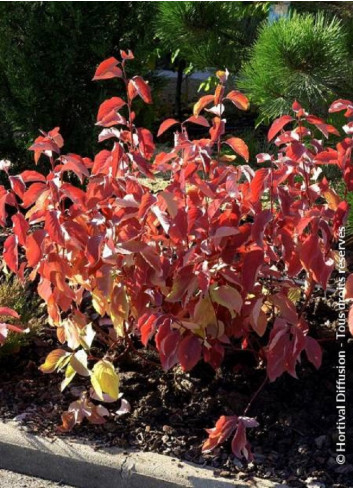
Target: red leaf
[(138, 86), (147, 325), (166, 125), (189, 352), (167, 341), (127, 55), (239, 441), (214, 355), (34, 247), (228, 296), (314, 261), (107, 113), (217, 130), (75, 164), (259, 226), (238, 99), (258, 183), (240, 445), (7, 311), (54, 135), (200, 120), (54, 228), (77, 233), (33, 194), (341, 104), (224, 427), (147, 202), (277, 125), (17, 185), (32, 176), (326, 129), (239, 146), (328, 157), (251, 265), (142, 164), (20, 228), (94, 249), (146, 143), (102, 161), (108, 69), (151, 256), (73, 193), (10, 253)]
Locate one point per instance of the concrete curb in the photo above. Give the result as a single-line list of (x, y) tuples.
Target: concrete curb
[(78, 464)]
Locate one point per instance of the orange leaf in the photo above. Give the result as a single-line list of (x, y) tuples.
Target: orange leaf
[(238, 99), (202, 103), (240, 147), (166, 125)]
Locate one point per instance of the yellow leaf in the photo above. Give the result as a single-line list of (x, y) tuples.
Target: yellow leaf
[(258, 318), (99, 303), (294, 294), (227, 296), (69, 375), (204, 313), (227, 158), (70, 332), (332, 199), (87, 336), (105, 380), (54, 360), (78, 362), (119, 309)]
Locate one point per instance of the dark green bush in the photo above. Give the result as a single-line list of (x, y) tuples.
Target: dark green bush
[(47, 50), (303, 57)]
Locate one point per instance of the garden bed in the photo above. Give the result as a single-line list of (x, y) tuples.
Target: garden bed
[(294, 443)]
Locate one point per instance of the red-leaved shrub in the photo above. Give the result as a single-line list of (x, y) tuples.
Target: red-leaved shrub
[(212, 260)]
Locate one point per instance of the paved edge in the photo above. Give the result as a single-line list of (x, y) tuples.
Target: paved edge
[(78, 464)]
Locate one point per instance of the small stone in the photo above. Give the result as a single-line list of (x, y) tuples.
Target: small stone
[(225, 473), (167, 429), (242, 475), (303, 449), (147, 429), (165, 438), (313, 483)]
